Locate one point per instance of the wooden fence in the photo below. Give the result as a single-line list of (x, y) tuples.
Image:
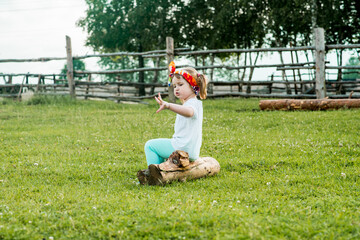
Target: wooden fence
[(290, 86)]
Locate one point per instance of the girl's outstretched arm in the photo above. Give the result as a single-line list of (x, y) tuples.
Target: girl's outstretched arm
[(179, 109)]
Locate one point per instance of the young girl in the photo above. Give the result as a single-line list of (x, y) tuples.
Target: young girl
[(188, 84)]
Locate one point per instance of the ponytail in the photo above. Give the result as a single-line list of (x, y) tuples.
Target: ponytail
[(201, 80)]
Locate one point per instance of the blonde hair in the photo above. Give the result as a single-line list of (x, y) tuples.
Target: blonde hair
[(201, 80)]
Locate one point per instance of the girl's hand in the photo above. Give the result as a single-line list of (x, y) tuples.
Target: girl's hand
[(163, 104)]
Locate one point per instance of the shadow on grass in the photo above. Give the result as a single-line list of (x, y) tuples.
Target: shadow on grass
[(51, 100), (247, 110)]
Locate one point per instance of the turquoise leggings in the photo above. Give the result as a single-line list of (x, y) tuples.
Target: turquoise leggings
[(157, 150)]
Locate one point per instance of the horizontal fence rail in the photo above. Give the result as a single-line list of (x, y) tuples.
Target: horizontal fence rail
[(32, 60), (246, 50)]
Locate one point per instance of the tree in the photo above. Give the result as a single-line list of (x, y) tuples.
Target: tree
[(143, 25), (78, 65), (288, 22), (293, 21), (222, 24), (352, 74), (127, 25), (340, 19)]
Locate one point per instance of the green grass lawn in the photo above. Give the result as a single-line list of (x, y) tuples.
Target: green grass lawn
[(68, 171)]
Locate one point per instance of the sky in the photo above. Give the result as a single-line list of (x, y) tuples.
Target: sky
[(37, 28)]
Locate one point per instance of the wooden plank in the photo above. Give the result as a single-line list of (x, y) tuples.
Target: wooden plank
[(121, 71), (258, 95), (339, 46), (343, 67), (70, 69), (30, 75), (133, 84), (234, 50), (43, 59), (147, 54), (320, 87), (38, 84), (170, 58)]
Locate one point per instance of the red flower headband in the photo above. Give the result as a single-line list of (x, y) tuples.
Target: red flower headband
[(190, 79)]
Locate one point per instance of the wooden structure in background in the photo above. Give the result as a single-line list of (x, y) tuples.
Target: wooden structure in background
[(316, 87)]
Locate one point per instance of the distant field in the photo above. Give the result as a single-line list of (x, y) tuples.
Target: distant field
[(68, 171)]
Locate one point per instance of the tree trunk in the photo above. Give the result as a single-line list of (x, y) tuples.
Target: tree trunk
[(339, 87), (244, 71), (318, 104), (156, 75), (141, 77), (211, 85), (238, 73)]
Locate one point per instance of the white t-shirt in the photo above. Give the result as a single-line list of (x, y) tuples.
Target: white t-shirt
[(188, 130)]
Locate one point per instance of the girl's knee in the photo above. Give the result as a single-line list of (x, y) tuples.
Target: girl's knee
[(148, 144)]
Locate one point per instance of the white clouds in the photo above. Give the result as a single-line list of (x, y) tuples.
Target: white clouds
[(37, 28)]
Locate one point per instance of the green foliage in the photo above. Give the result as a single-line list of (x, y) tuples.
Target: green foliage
[(114, 63), (127, 25), (68, 172), (289, 22), (215, 24), (143, 25), (352, 74), (78, 65), (340, 19), (8, 90)]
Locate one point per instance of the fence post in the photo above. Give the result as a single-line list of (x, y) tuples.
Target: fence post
[(210, 87), (320, 87), (169, 58), (38, 84), (271, 83), (70, 69), (88, 87)]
